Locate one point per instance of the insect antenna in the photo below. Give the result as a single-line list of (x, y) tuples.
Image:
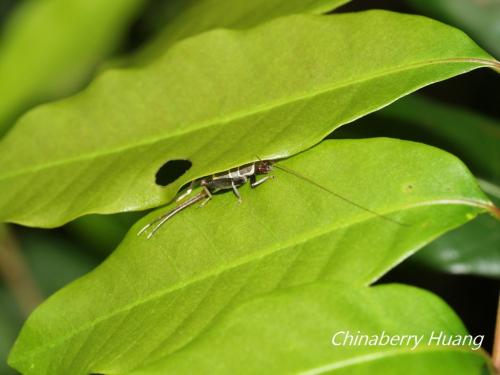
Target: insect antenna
[(305, 178)]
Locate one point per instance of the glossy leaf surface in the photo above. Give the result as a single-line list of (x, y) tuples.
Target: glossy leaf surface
[(475, 247), (152, 297), (219, 100), (293, 332)]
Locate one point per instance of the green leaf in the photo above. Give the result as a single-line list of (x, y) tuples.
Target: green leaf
[(472, 248), (151, 297), (473, 137), (479, 18), (184, 18), (48, 49), (291, 332), (219, 100)]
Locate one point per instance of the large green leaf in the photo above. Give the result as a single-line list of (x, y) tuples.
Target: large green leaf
[(48, 48), (185, 18), (218, 99), (151, 297), (473, 248), (291, 332)]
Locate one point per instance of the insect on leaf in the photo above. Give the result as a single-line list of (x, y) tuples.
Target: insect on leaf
[(218, 100), (286, 232)]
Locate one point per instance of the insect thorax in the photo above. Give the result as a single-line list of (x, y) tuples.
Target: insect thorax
[(244, 171)]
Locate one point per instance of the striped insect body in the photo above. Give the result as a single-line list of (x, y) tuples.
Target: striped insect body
[(232, 180)]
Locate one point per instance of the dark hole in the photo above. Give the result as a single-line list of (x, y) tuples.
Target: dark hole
[(171, 171)]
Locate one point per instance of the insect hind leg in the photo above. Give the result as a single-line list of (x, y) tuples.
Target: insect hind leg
[(159, 221), (188, 191)]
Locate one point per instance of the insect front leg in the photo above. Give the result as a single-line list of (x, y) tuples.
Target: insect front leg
[(254, 182)]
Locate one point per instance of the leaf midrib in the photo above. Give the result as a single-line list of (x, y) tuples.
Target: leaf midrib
[(241, 115), (244, 260)]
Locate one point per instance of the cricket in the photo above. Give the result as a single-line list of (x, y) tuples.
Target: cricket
[(232, 180)]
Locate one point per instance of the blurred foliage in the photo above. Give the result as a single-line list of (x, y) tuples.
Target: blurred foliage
[(10, 324), (473, 137), (177, 20), (49, 48), (54, 261), (471, 249), (480, 18), (6, 7), (101, 234)]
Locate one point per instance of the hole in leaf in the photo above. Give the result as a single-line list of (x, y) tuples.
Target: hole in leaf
[(171, 171)]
